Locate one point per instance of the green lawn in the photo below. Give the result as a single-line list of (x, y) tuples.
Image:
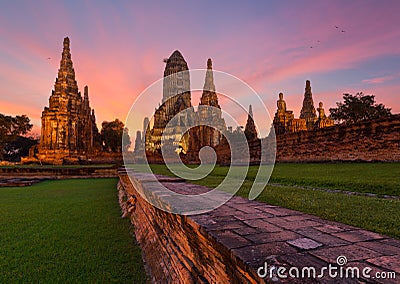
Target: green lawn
[(376, 214), (66, 231), (378, 178)]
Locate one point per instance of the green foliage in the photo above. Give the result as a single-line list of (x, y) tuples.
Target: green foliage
[(14, 125), (114, 135), (359, 107), (66, 231), (14, 150), (11, 127)]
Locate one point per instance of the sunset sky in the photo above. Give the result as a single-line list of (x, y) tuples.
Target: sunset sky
[(118, 49)]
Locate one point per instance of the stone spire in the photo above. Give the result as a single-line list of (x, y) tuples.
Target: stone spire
[(308, 111), (86, 98), (138, 141), (250, 130), (209, 82), (209, 97), (65, 81), (146, 123)]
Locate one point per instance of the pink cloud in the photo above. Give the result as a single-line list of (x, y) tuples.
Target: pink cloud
[(378, 80)]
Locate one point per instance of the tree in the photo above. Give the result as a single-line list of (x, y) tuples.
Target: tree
[(112, 133), (359, 107), (11, 127), (14, 150)]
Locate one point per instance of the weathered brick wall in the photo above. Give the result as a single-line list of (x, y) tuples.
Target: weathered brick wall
[(372, 141), (230, 243), (176, 248), (223, 152), (367, 141)]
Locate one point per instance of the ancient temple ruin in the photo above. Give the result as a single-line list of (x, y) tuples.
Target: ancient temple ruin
[(69, 133), (177, 127), (250, 130), (176, 103), (285, 122), (176, 98), (210, 123), (308, 111)]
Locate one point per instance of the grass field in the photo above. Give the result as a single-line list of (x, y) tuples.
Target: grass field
[(66, 231), (378, 178), (376, 214)]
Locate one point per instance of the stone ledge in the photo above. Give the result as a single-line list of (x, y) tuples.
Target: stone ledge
[(231, 242)]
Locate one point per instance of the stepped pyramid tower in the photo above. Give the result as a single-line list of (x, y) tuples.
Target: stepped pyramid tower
[(176, 98), (69, 130), (308, 110), (210, 124), (209, 114), (250, 130)]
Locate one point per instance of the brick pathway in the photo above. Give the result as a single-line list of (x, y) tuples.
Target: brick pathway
[(257, 233)]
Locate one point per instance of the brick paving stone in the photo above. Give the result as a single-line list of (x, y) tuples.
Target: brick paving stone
[(256, 255), (321, 237), (296, 218), (329, 280), (300, 224), (241, 200), (391, 263), (304, 243), (203, 220), (392, 242), (222, 211), (371, 276), (302, 259), (351, 252), (230, 239), (246, 231), (278, 221), (381, 247), (224, 219), (343, 226), (358, 235), (279, 211), (247, 216), (227, 225), (246, 208), (262, 205), (261, 224), (326, 228), (268, 237)]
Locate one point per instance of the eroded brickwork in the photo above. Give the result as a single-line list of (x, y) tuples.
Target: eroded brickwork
[(231, 243), (366, 141), (69, 133)]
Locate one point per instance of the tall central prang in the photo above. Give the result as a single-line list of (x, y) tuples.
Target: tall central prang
[(176, 105), (176, 98)]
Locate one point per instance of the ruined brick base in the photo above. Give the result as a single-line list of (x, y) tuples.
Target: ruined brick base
[(232, 242)]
